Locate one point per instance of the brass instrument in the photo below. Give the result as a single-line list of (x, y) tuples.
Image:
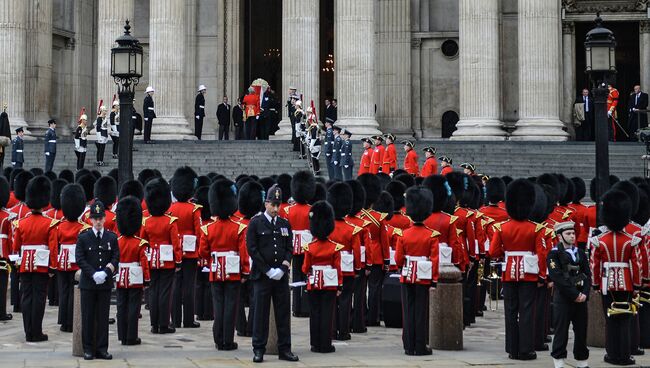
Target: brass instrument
[(480, 272), (618, 308), (644, 297), (636, 302), (494, 279)]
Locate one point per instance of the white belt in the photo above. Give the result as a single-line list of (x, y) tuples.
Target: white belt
[(616, 265), (32, 247), (68, 246), (224, 254), (52, 141), (342, 154), (202, 107), (320, 268), (21, 151), (150, 108), (129, 264), (518, 254), (300, 232), (4, 236), (416, 259)]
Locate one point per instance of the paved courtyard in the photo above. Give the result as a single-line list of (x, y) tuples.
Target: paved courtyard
[(195, 348)]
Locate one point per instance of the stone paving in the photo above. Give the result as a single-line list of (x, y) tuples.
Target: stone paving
[(380, 347)]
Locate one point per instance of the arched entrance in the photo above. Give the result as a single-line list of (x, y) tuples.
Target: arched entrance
[(449, 120), (263, 42)]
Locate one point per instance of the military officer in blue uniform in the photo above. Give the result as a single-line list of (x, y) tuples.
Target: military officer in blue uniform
[(347, 163), (17, 147), (337, 145), (98, 256), (329, 147), (50, 145)]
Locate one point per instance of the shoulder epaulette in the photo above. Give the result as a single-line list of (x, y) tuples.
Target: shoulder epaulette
[(469, 214), (286, 209), (566, 214), (452, 219), (144, 220), (204, 228), (142, 242), (84, 227), (242, 227), (479, 214), (548, 232), (435, 233), (539, 227), (382, 215), (459, 231), (497, 226), (171, 219), (338, 246), (53, 223), (305, 247), (196, 207), (397, 231), (15, 223)]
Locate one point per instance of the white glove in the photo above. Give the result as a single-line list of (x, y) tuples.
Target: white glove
[(271, 273), (279, 274), (346, 166), (336, 162), (13, 163), (47, 153), (609, 114), (197, 116), (100, 277)]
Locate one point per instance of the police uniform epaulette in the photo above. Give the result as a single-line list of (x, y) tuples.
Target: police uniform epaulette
[(397, 231), (171, 218), (54, 222), (196, 207), (435, 233), (452, 219)]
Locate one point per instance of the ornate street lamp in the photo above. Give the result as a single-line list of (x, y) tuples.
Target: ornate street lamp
[(600, 48), (126, 70)]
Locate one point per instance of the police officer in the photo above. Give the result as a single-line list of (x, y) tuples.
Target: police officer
[(347, 162), (149, 114), (50, 145), (98, 255), (568, 269), (17, 146), (337, 145), (329, 148), (199, 111), (269, 243)]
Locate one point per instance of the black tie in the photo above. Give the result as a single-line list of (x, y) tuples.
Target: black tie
[(99, 236)]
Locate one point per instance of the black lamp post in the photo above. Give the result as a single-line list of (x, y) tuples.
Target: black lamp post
[(126, 70), (600, 48)]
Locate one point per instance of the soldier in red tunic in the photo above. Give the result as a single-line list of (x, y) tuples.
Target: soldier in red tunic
[(189, 229), (20, 190), (390, 155), (323, 267), (377, 157), (62, 243), (55, 200), (366, 156), (616, 274), (520, 243), (224, 242), (579, 209), (640, 223), (160, 230), (105, 189), (133, 272), (397, 190), (411, 159), (5, 247), (612, 103)]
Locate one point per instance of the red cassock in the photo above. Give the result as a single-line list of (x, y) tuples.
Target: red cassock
[(62, 243), (364, 236), (5, 233), (423, 243), (53, 213), (189, 227), (614, 257), (445, 224), (349, 236), (430, 167), (161, 232), (378, 251), (364, 163), (224, 244), (390, 159), (377, 159), (321, 255), (298, 217), (446, 170), (411, 163), (133, 252), (110, 222), (518, 242), (31, 236)]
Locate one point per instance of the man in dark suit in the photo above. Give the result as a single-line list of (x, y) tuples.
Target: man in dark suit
[(199, 111), (585, 132), (269, 242), (98, 255), (223, 117), (238, 119), (638, 101)]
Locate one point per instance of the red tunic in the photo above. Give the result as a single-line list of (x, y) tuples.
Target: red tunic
[(378, 251), (399, 221), (30, 233), (12, 200), (480, 234), (562, 214), (322, 253), (392, 234), (162, 230), (5, 233), (614, 257), (519, 236), (364, 236), (445, 224), (110, 222), (446, 170), (390, 159), (579, 211), (21, 210), (298, 217), (411, 163), (349, 236), (132, 250), (418, 241), (364, 163), (377, 159), (63, 237), (589, 221), (466, 233), (219, 238), (189, 224), (430, 167), (53, 213)]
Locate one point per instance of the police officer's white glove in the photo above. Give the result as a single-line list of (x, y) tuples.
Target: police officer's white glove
[(279, 274), (336, 162), (47, 153), (100, 277), (272, 273)]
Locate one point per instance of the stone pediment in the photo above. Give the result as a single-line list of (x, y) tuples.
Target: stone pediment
[(605, 6)]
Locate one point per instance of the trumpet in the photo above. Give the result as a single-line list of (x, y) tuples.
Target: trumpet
[(644, 296), (618, 308), (636, 302), (480, 272)]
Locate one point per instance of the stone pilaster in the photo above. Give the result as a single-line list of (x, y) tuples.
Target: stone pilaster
[(38, 67), (644, 39), (394, 66), (354, 60), (539, 72), (480, 84), (13, 22), (300, 55), (569, 90), (167, 45)]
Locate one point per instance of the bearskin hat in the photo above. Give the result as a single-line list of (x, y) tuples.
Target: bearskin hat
[(372, 186), (319, 194), (469, 194), (459, 183), (57, 187), (267, 182), (114, 173), (642, 215), (397, 189), (616, 210), (201, 198), (183, 183), (6, 172), (339, 195), (67, 175), (384, 204), (128, 215), (106, 190), (73, 201), (132, 188), (96, 173), (407, 179), (37, 171), (507, 179), (440, 190), (212, 175), (250, 199), (50, 175), (579, 189), (243, 180), (223, 198), (637, 180), (284, 182), (552, 181), (20, 184), (255, 177), (303, 186), (562, 187), (419, 203), (520, 199), (203, 181), (4, 192), (240, 176), (38, 192), (384, 179), (632, 191), (569, 193), (543, 204), (399, 172), (157, 196), (321, 220), (145, 175), (495, 190), (358, 196), (80, 173), (88, 183)]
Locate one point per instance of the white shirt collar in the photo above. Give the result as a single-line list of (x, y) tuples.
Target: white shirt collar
[(268, 217), (96, 231)]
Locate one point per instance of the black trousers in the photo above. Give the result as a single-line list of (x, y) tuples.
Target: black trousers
[(330, 166), (53, 291), (635, 333), (129, 302), (203, 297), (344, 307), (322, 305), (338, 172), (65, 280), (250, 127), (4, 283), (469, 295), (116, 145), (245, 323), (225, 299), (618, 341), (33, 287), (375, 282), (239, 131), (567, 312), (101, 147), (263, 128), (15, 288), (160, 296), (347, 173), (198, 127), (518, 305), (81, 159), (644, 325), (49, 161), (183, 303), (147, 129), (224, 132), (360, 305), (265, 290), (300, 297), (541, 302), (415, 310), (95, 307)]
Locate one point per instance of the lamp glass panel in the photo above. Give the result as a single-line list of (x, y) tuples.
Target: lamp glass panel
[(121, 63), (600, 58)]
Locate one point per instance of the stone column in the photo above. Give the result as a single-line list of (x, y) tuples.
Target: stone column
[(230, 65), (480, 80), (13, 21), (539, 72), (569, 91), (167, 45), (394, 66), (38, 64), (644, 39), (354, 60), (300, 56)]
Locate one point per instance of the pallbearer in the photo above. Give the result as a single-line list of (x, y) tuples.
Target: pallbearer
[(134, 269)]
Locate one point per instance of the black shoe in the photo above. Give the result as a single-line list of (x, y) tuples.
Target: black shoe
[(409, 352), (155, 330), (240, 334), (547, 339), (628, 361), (426, 351), (6, 317), (176, 325), (343, 337), (146, 306), (192, 325), (65, 328), (329, 349), (41, 338), (104, 356), (228, 347), (17, 309), (137, 341), (513, 356), (373, 324), (288, 356), (484, 308), (638, 352), (88, 356), (527, 356), (544, 347), (111, 321), (315, 349), (115, 156), (363, 330), (479, 314), (166, 330), (258, 356)]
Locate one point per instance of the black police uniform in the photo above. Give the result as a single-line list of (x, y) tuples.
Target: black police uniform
[(199, 114), (149, 115), (50, 149), (569, 270), (17, 147), (95, 251), (329, 148)]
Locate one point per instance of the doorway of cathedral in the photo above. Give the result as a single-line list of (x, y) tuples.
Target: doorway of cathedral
[(627, 64), (263, 42)]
